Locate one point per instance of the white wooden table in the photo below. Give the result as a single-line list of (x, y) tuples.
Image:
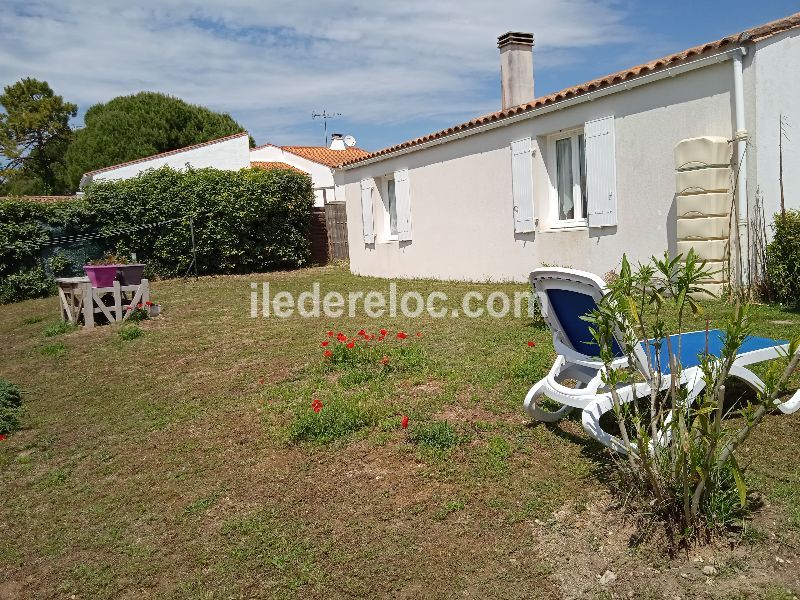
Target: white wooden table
[(79, 299)]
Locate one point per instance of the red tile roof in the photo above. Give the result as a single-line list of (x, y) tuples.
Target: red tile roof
[(168, 153), (272, 165), (750, 35), (326, 156)]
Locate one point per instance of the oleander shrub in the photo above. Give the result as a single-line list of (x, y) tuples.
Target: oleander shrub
[(10, 407), (244, 221), (783, 258)]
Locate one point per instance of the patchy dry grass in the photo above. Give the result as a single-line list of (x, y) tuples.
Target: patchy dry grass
[(188, 463)]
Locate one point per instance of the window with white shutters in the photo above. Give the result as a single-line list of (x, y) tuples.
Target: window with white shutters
[(522, 185), (601, 172), (402, 191), (367, 210)]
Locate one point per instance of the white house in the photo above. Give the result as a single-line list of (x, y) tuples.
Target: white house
[(581, 176), (317, 161), (233, 152)]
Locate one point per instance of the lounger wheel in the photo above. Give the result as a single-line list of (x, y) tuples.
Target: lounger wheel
[(537, 412)]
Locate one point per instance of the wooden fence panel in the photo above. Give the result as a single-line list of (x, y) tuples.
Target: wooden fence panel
[(336, 223), (320, 254)]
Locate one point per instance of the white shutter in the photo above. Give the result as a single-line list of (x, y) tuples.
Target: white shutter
[(601, 176), (367, 209), (522, 185), (402, 192)]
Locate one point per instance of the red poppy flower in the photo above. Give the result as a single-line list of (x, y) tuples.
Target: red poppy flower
[(419, 334), (148, 303), (139, 305), (341, 337), (532, 344), (404, 422), (401, 335), (261, 380), (2, 437), (362, 333), (351, 344), (327, 354), (383, 332), (325, 343), (385, 360), (316, 405), (330, 334)]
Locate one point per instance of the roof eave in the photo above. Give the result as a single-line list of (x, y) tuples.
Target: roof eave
[(531, 113)]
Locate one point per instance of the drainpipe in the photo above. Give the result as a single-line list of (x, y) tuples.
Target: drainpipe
[(740, 137)]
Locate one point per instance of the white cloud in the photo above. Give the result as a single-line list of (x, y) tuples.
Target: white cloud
[(272, 63)]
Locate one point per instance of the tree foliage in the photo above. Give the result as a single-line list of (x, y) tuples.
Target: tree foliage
[(34, 136), (130, 127), (783, 258)]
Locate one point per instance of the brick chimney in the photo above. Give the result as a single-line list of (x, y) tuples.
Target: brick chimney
[(516, 68)]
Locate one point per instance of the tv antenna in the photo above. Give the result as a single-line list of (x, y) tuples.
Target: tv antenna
[(325, 116)]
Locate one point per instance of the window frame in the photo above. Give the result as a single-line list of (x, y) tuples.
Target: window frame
[(386, 234), (581, 222)]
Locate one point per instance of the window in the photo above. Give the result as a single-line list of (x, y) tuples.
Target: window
[(569, 178), (390, 210)]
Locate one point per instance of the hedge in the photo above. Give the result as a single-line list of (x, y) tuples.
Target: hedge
[(244, 221), (783, 258)]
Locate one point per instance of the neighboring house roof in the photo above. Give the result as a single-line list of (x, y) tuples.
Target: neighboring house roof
[(168, 153), (273, 165), (42, 199), (753, 34), (326, 156)]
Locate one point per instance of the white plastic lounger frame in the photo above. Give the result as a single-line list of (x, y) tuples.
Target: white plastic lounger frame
[(579, 292), (571, 363)]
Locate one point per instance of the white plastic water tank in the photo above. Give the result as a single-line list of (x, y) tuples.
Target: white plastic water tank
[(705, 151), (696, 205), (712, 250), (703, 228), (701, 181)]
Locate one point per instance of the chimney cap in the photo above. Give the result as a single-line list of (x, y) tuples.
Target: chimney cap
[(515, 37), (336, 136)]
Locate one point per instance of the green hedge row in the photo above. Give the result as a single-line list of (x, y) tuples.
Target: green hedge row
[(783, 258), (244, 221)]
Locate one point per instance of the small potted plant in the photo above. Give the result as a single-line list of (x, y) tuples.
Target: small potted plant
[(129, 273), (102, 272), (154, 308)]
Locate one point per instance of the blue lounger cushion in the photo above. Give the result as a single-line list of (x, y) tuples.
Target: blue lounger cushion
[(693, 346)]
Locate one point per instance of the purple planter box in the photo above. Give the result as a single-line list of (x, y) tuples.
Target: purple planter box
[(130, 274), (101, 276)]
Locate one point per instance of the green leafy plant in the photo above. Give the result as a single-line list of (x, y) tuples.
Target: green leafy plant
[(434, 435), (59, 329), (783, 258), (55, 350), (324, 422), (10, 407), (130, 332), (677, 456)]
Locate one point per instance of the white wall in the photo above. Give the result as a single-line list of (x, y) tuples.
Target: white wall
[(775, 90), (321, 175), (232, 154), (461, 204)]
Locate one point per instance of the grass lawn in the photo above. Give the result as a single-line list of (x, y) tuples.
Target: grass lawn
[(188, 463)]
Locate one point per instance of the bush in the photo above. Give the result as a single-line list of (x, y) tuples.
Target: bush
[(679, 462), (783, 258), (26, 284), (59, 329), (10, 407), (130, 332), (244, 221)]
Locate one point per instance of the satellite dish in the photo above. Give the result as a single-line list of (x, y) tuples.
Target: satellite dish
[(349, 141)]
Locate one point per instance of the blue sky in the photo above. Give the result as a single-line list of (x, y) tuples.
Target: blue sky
[(395, 70)]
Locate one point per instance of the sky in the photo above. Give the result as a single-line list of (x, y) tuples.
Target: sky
[(394, 70)]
